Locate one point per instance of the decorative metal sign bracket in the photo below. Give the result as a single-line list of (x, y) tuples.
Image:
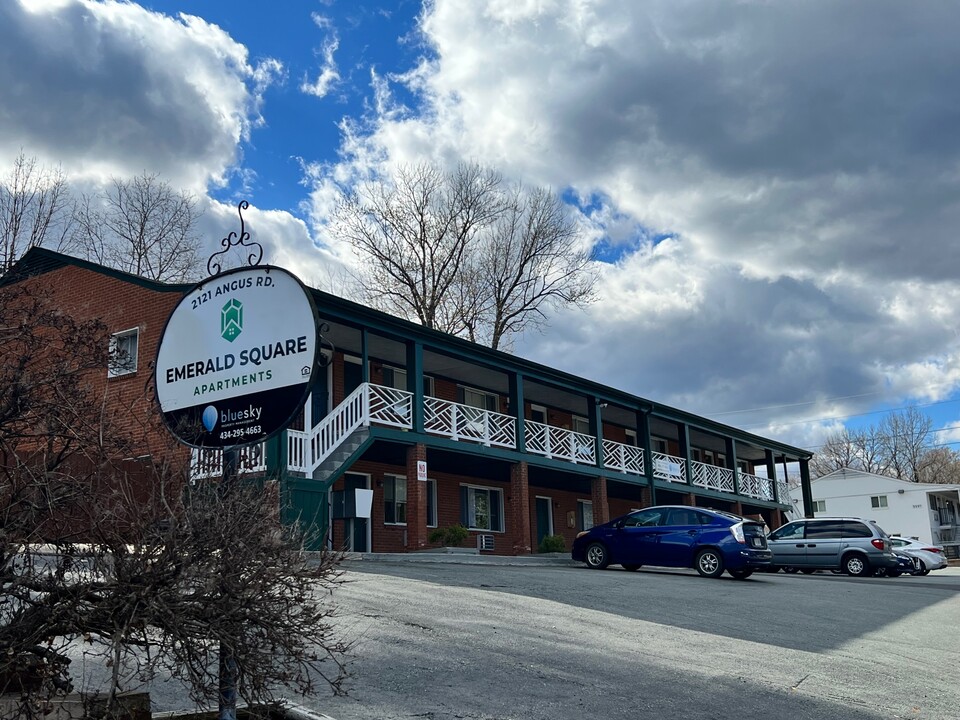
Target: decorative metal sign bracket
[(233, 240)]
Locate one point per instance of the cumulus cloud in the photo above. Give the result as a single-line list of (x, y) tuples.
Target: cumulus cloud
[(110, 88), (800, 159)]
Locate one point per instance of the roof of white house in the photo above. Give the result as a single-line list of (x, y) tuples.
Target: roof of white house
[(871, 482)]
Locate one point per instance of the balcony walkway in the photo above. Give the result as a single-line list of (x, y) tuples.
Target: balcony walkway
[(383, 406)]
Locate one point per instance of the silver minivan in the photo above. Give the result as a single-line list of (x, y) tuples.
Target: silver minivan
[(848, 544)]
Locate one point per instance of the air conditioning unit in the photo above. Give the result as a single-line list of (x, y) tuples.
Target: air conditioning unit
[(485, 542)]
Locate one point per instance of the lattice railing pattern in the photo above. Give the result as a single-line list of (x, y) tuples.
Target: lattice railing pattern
[(783, 492), (755, 486), (388, 406), (560, 443), (713, 477), (465, 422), (625, 458), (669, 467)]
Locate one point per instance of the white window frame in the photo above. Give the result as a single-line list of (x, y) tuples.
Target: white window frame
[(582, 506), (659, 445), (394, 479), (471, 507), (632, 438), (878, 502), (581, 425), (481, 393), (819, 506), (129, 366)]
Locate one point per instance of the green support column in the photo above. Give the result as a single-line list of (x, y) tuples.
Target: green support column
[(415, 382), (684, 436), (517, 409), (732, 454), (596, 426), (364, 356), (643, 438), (805, 488), (772, 473)]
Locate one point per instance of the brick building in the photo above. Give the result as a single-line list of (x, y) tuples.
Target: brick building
[(443, 431)]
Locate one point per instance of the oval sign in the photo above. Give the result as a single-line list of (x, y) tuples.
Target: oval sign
[(237, 357)]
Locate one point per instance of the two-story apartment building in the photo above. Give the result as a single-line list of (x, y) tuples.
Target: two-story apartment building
[(441, 431)]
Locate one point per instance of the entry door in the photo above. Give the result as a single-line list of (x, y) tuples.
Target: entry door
[(358, 529), (544, 518)]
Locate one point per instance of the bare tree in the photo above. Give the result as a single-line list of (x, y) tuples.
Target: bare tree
[(463, 252), (35, 209), (141, 226), (940, 465), (906, 438), (109, 556), (860, 449)]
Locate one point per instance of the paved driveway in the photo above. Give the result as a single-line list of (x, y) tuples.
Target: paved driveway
[(487, 641)]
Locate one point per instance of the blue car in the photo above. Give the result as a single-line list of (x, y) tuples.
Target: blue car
[(710, 541)]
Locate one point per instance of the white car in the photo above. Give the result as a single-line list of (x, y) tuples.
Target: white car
[(931, 557)]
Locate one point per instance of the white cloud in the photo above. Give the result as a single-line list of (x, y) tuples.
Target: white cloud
[(329, 75), (802, 157), (109, 88)]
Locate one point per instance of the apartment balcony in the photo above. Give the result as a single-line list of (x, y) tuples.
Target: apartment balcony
[(377, 405)]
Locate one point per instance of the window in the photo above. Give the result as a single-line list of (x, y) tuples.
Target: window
[(853, 529), (792, 531), (658, 445), (581, 425), (123, 353), (819, 506), (481, 508), (643, 518), (631, 437), (480, 399), (394, 500), (878, 501), (538, 413), (585, 513), (431, 503), (824, 529), (397, 379)]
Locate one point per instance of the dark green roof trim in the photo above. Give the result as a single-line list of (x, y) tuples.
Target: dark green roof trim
[(38, 261)]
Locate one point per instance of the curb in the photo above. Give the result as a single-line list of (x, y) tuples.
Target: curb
[(544, 560)]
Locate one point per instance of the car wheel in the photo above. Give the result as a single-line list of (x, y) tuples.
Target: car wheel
[(923, 569), (597, 556), (630, 566), (740, 574), (709, 563), (856, 565)]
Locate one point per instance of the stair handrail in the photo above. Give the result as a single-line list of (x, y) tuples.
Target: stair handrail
[(345, 418)]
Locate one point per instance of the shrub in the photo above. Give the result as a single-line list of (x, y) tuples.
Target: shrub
[(552, 543), (452, 536)]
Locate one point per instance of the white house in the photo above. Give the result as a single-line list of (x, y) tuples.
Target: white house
[(927, 511)]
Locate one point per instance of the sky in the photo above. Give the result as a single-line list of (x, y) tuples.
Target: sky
[(771, 190)]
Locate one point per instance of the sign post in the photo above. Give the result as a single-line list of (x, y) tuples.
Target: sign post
[(234, 366)]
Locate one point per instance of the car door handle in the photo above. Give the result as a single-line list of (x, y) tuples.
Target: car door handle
[(812, 545), (691, 533), (800, 545)]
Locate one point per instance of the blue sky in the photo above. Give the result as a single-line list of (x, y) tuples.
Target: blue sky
[(770, 190)]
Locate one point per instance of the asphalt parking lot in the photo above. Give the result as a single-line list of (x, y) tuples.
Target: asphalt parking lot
[(438, 640)]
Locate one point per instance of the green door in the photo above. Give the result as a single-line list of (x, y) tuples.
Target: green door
[(309, 507), (544, 519)]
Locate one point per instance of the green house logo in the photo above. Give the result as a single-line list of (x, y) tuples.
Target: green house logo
[(231, 320)]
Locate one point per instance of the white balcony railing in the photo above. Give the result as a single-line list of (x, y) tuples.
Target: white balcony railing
[(380, 405), (713, 477), (625, 458), (755, 486), (783, 492), (465, 422), (560, 443), (669, 468), (208, 462)]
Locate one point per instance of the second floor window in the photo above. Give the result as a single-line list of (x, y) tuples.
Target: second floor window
[(123, 353), (878, 501)]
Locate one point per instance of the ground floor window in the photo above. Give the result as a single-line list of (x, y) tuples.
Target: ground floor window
[(878, 501), (481, 508), (585, 514), (819, 506), (395, 499), (431, 503)]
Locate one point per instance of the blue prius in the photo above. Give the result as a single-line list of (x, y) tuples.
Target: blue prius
[(710, 541)]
